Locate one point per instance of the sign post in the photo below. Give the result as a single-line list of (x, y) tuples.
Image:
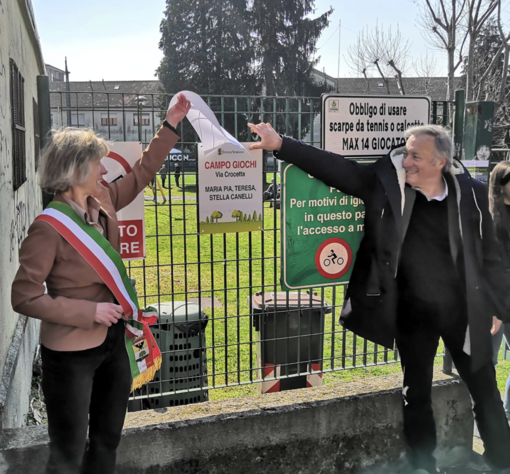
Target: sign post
[(322, 228)]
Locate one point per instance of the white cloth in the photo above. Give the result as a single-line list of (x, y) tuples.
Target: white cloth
[(202, 118)]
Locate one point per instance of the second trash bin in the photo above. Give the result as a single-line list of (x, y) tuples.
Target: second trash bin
[(290, 338)]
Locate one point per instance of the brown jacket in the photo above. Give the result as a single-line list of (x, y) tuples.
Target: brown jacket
[(67, 310)]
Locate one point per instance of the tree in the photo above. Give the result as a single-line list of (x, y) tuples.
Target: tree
[(478, 13), (440, 21), (207, 47), (285, 42), (489, 59), (236, 214), (216, 215), (384, 51)]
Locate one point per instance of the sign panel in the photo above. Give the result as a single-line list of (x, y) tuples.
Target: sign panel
[(321, 231), (478, 169), (230, 189), (369, 126), (122, 156), (322, 228)]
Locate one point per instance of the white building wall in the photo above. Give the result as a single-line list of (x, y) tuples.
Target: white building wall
[(17, 208)]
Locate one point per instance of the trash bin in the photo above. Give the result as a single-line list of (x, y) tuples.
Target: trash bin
[(289, 329), (180, 335)]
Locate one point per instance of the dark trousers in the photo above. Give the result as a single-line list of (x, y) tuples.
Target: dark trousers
[(417, 342), (177, 176), (86, 389), (163, 180)]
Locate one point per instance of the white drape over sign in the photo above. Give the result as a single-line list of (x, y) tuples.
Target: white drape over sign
[(202, 118)]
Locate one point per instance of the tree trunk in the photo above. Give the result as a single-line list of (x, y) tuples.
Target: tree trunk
[(470, 68)]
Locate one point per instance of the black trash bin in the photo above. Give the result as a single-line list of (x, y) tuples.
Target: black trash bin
[(180, 335), (289, 328)]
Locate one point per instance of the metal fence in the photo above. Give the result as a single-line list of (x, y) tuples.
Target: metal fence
[(241, 344)]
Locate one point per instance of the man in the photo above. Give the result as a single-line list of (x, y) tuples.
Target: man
[(427, 267)]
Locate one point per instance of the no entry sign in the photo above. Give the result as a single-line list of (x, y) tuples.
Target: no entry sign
[(122, 157)]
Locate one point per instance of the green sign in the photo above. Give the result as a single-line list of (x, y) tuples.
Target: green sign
[(321, 231)]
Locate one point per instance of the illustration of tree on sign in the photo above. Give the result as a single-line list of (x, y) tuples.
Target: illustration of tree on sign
[(207, 220), (260, 217), (254, 215), (216, 215), (237, 215)]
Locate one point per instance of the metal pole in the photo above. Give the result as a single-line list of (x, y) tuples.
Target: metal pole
[(68, 97), (338, 69), (458, 122), (43, 100)]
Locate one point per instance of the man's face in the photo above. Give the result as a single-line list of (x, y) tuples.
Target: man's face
[(421, 162)]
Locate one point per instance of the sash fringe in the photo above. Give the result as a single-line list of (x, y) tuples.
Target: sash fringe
[(147, 375)]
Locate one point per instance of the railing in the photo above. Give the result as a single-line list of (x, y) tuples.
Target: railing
[(221, 273)]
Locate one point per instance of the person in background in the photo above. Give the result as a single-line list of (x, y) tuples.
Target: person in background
[(177, 174), (427, 268), (499, 202), (270, 192), (163, 173), (86, 369)]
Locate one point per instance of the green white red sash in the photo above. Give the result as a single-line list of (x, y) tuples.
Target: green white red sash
[(144, 354)]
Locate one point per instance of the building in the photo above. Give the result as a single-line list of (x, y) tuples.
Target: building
[(20, 197), (116, 110), (434, 87), (55, 74)]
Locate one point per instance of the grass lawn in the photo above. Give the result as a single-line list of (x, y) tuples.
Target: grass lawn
[(181, 264)]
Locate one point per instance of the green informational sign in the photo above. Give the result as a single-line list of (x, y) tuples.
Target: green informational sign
[(321, 231)]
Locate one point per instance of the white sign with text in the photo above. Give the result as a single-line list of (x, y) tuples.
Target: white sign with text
[(230, 189), (122, 157), (369, 126)]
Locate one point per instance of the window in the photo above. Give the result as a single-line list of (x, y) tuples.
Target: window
[(77, 120), (146, 119), (112, 117), (19, 161)]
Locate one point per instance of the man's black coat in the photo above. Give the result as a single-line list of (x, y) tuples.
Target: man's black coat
[(372, 296)]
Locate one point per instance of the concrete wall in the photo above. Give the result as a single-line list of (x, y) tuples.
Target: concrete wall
[(348, 428), (18, 40)]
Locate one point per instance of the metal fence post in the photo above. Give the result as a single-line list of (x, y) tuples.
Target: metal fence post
[(458, 123), (43, 101)]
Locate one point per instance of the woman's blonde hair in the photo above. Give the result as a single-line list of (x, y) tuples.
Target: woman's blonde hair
[(65, 158)]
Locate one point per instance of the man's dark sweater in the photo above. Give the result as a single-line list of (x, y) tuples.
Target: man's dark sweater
[(427, 277)]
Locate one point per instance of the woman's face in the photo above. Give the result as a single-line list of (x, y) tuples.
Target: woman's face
[(92, 185), (506, 193)]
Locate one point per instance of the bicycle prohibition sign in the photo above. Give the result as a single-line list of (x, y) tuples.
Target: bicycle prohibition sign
[(333, 258)]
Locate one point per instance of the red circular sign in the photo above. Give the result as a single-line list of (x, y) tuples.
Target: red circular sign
[(333, 258)]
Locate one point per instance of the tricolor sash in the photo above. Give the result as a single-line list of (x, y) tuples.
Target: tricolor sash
[(144, 354)]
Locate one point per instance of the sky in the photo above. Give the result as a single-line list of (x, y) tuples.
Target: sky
[(118, 39)]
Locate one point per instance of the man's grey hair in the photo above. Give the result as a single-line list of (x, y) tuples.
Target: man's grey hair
[(442, 140)]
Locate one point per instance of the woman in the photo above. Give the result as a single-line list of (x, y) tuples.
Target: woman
[(86, 367), (500, 208)]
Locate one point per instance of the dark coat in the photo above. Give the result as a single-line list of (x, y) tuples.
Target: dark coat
[(372, 296)]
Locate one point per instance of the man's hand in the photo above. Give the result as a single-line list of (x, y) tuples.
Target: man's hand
[(269, 139), (178, 111), (496, 324), (108, 313)]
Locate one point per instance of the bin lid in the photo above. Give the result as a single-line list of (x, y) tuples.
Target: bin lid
[(292, 300), (178, 311)]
